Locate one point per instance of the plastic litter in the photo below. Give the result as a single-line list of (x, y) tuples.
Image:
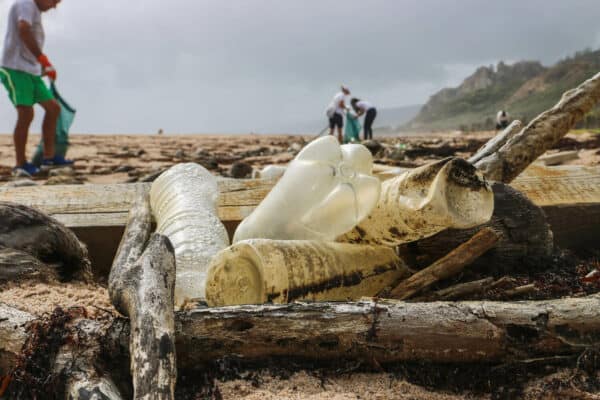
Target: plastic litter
[(326, 190), (449, 193), (184, 204), (260, 270)]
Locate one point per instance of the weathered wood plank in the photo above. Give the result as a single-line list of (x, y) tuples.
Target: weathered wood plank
[(108, 205), (80, 206)]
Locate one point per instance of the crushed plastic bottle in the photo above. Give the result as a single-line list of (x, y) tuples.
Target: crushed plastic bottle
[(326, 190), (184, 204), (449, 193), (260, 271), (269, 172)]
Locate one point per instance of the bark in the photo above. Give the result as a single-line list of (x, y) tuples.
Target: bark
[(542, 133), (16, 266), (495, 143), (142, 288), (30, 231), (384, 331), (526, 238), (448, 266)]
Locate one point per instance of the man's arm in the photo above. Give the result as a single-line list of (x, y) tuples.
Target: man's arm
[(26, 35)]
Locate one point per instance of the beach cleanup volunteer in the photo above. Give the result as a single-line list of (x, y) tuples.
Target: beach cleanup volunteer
[(335, 111), (23, 65), (370, 112)]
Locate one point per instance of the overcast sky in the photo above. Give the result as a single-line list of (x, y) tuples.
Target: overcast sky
[(238, 66)]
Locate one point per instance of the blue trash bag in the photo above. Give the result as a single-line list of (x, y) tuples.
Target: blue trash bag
[(352, 129), (65, 120)]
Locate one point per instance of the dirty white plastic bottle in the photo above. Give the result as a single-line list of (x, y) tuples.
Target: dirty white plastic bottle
[(258, 271), (325, 191), (419, 203), (184, 204)]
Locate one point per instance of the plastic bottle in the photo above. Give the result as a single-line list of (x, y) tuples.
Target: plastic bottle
[(449, 193), (269, 172), (260, 271), (326, 190), (184, 204)]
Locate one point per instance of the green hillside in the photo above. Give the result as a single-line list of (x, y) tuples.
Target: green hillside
[(524, 89)]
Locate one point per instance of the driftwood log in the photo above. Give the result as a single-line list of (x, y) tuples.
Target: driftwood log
[(384, 331), (495, 143), (542, 133), (526, 238), (27, 230), (447, 266), (141, 286)]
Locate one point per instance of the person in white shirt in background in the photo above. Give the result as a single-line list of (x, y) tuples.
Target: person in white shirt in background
[(502, 120), (364, 107), (335, 111)]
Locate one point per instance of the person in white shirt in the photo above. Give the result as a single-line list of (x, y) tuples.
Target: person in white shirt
[(502, 120), (335, 111), (364, 107)]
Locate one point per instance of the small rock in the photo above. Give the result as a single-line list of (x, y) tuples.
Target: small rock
[(179, 154), (140, 152), (240, 170), (123, 168), (373, 146), (294, 148), (66, 171), (64, 180), (151, 177)]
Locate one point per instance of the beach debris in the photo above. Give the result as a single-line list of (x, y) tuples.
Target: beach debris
[(495, 143), (64, 180), (374, 146), (20, 182), (65, 171), (559, 158), (269, 172), (259, 271), (448, 266), (184, 203), (526, 237), (419, 203), (141, 286), (326, 190), (30, 231), (240, 170), (542, 133), (123, 168)]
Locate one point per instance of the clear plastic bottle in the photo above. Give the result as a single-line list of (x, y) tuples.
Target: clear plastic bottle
[(184, 204), (258, 271), (325, 191)]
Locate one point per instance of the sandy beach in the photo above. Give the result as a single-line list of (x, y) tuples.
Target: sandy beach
[(135, 158)]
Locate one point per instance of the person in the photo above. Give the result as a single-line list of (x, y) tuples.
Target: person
[(364, 107), (23, 65), (335, 111), (501, 120)]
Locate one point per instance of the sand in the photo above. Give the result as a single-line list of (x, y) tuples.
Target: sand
[(120, 158)]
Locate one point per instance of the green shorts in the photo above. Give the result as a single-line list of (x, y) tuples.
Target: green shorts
[(24, 89)]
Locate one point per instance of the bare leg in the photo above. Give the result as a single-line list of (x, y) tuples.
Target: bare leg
[(340, 138), (52, 109), (24, 118)]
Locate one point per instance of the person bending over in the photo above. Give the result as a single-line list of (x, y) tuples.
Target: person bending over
[(364, 107)]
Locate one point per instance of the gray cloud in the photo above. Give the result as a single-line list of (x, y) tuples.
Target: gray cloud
[(270, 65)]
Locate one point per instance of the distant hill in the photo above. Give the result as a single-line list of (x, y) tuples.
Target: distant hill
[(524, 89)]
